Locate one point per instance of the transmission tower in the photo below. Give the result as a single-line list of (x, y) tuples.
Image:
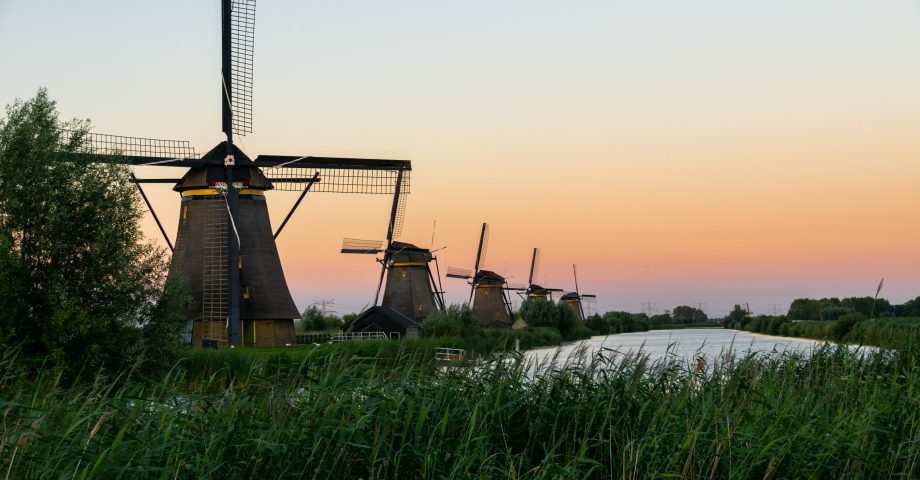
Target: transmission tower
[(649, 308), (322, 304)]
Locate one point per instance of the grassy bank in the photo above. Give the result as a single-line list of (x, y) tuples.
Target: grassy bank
[(896, 333), (832, 415)]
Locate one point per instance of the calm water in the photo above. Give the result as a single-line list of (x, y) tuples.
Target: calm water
[(688, 344)]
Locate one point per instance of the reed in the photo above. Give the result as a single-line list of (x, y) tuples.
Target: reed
[(398, 414)]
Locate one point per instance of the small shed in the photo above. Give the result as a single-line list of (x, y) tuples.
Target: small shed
[(386, 320)]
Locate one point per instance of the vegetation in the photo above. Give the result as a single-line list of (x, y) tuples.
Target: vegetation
[(315, 320), (834, 308), (896, 333), (76, 278), (835, 414)]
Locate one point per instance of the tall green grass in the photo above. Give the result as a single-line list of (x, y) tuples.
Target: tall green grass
[(398, 414)]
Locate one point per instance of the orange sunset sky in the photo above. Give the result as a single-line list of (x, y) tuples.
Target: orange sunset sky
[(679, 152)]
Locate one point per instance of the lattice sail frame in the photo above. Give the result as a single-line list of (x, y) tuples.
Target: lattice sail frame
[(104, 144), (455, 272), (485, 247), (536, 266), (242, 42)]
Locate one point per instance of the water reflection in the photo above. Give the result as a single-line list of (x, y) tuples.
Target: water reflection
[(696, 346)]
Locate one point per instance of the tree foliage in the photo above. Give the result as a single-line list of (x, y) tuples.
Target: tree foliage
[(314, 320), (79, 283)]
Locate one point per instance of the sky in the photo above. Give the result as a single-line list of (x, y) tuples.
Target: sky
[(714, 152)]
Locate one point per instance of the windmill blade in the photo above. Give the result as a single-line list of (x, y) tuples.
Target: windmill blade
[(587, 295), (133, 150), (575, 273), (398, 213), (534, 266), (516, 286), (239, 25), (554, 289), (589, 303), (483, 247), (355, 245), (340, 175), (454, 272)]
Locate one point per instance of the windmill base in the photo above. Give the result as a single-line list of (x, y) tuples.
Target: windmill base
[(262, 333)]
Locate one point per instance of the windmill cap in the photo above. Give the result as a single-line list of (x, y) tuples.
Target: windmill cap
[(489, 275), (570, 296), (213, 172)]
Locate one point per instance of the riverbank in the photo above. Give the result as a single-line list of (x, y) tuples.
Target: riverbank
[(895, 333)]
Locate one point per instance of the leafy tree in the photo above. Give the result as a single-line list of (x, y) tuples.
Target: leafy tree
[(539, 313), (79, 284), (685, 314), (662, 318), (566, 320), (738, 314), (598, 324), (454, 321), (314, 320), (804, 309), (833, 313)]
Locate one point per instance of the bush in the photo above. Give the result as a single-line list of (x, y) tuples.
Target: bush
[(841, 327)]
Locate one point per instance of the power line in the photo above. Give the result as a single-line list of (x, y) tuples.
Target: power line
[(323, 304)]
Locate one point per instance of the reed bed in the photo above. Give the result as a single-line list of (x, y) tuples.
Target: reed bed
[(398, 414)]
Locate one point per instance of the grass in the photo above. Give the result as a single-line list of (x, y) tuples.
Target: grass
[(398, 414)]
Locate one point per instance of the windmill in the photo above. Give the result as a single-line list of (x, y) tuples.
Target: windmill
[(225, 248), (488, 294), (411, 288), (577, 301), (532, 290)]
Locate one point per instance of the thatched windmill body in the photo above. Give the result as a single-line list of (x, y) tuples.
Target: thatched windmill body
[(225, 249), (411, 287), (577, 300), (488, 293)]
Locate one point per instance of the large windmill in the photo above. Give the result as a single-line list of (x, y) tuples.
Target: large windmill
[(533, 290), (411, 288), (577, 301), (225, 248), (488, 294)]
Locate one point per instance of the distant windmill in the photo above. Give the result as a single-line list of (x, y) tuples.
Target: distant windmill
[(488, 297), (577, 301), (411, 288), (532, 290), (225, 248)]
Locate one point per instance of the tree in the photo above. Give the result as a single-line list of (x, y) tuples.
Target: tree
[(598, 324), (314, 320), (539, 313), (685, 314), (454, 321), (566, 320), (79, 283), (804, 309), (738, 314)]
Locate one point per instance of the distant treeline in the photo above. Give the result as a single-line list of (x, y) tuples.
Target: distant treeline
[(834, 308)]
